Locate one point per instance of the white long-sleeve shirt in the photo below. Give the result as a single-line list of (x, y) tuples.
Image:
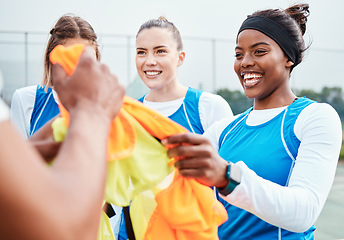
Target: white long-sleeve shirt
[(297, 206)]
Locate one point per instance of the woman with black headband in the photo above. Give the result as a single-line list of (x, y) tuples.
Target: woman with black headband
[(273, 165)]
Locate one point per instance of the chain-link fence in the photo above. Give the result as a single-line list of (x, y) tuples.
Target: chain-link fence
[(208, 65)]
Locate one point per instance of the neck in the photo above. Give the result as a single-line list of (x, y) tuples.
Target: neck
[(275, 100), (167, 93)]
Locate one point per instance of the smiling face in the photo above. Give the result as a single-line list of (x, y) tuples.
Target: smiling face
[(262, 67), (157, 58)]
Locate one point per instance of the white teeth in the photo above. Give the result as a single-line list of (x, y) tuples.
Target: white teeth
[(252, 75), (152, 73), (252, 81)]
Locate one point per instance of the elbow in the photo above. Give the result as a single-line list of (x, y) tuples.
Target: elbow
[(301, 228), (305, 215)]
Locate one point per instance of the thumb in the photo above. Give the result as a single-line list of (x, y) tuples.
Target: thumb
[(59, 75)]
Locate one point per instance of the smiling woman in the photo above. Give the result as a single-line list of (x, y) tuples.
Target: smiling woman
[(159, 54), (274, 164)]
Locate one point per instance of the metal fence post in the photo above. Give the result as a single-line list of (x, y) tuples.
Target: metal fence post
[(129, 60), (213, 41), (26, 59)]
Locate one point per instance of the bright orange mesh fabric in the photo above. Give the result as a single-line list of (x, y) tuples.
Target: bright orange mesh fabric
[(186, 210)]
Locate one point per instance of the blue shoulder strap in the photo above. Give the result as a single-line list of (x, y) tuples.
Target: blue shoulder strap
[(142, 98), (45, 108)]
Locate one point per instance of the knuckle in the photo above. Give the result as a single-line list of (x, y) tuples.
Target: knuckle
[(183, 150), (104, 68), (206, 141), (87, 61)]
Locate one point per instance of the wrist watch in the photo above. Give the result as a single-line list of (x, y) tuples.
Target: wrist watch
[(233, 175)]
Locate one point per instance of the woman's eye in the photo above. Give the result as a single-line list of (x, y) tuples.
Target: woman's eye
[(260, 51), (160, 51), (238, 55), (140, 53)]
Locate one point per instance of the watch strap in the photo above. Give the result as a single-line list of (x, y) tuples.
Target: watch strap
[(231, 182)]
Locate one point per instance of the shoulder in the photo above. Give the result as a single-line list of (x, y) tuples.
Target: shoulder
[(318, 117), (213, 99), (220, 125), (319, 111), (208, 95), (214, 132), (213, 102), (4, 111), (25, 93), (23, 100)]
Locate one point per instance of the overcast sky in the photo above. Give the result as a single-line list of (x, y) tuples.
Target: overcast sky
[(194, 18)]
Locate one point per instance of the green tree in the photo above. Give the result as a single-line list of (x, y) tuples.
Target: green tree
[(237, 100), (332, 96)]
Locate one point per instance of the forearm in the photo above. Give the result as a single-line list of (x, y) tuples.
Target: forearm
[(291, 208), (297, 206), (81, 164)]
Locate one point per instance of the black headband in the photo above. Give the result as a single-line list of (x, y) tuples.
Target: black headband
[(276, 32)]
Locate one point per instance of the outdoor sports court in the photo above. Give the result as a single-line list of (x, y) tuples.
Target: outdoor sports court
[(330, 225)]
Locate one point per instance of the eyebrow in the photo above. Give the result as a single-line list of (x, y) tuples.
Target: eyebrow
[(259, 43), (160, 46), (255, 45)]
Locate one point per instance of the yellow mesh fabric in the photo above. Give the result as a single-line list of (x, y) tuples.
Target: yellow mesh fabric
[(105, 231), (145, 168)]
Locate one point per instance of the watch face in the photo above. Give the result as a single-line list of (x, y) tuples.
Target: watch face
[(235, 173)]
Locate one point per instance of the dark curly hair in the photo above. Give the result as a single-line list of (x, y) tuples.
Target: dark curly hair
[(292, 19)]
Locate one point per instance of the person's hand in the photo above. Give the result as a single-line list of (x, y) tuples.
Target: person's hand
[(44, 143), (196, 158), (91, 87)]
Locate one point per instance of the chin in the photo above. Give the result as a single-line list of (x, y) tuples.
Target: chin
[(249, 93)]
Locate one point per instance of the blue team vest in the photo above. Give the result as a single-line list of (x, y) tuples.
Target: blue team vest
[(270, 150), (45, 108), (188, 113)]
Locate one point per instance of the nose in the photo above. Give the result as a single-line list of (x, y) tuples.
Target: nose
[(150, 60), (247, 61)]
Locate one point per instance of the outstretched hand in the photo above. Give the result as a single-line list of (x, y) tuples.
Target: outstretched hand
[(196, 158), (90, 87)]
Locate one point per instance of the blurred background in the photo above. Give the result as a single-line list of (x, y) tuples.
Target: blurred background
[(208, 29)]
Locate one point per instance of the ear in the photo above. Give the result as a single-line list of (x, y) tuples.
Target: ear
[(289, 64), (181, 57)]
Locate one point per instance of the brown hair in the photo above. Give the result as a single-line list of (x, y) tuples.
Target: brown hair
[(293, 20), (67, 27), (162, 22)]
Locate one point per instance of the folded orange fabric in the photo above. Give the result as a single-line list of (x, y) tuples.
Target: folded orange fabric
[(186, 210)]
